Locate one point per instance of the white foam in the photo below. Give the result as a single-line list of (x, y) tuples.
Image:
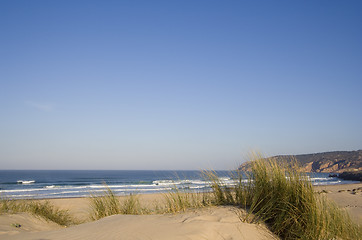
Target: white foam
[(163, 182), (319, 178), (327, 183), (26, 181), (23, 196), (161, 185), (23, 190), (185, 182)]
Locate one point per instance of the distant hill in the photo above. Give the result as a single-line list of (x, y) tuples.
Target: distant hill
[(336, 162)]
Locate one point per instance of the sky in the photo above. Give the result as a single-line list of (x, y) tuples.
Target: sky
[(173, 85)]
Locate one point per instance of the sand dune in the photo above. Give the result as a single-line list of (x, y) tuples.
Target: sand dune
[(13, 224), (208, 223)]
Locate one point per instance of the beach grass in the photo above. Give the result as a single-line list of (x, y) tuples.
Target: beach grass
[(174, 201), (107, 204), (132, 205), (278, 194), (178, 201), (42, 209)]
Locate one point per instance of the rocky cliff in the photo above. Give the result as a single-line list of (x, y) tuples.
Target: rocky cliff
[(336, 162)]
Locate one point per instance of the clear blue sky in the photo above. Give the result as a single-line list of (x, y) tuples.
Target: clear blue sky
[(176, 84)]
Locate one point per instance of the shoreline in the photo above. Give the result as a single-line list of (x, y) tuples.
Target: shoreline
[(158, 192), (34, 186)]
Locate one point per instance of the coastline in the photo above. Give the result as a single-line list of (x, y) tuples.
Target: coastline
[(74, 184)]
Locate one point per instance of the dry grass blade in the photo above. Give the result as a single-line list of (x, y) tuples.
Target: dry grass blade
[(43, 209), (104, 205)]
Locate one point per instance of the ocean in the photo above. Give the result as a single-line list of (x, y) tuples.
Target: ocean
[(41, 184)]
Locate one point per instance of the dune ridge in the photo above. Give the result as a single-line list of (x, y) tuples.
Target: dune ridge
[(207, 223)]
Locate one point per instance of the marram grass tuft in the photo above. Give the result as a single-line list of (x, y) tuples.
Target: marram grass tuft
[(278, 194)]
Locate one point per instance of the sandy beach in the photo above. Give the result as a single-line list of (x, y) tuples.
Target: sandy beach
[(206, 223), (347, 196)]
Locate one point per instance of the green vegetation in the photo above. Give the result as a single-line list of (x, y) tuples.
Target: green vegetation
[(131, 205), (178, 201), (284, 199), (43, 209), (108, 204), (104, 205)]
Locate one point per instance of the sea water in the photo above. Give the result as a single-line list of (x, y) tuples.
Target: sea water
[(35, 184)]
